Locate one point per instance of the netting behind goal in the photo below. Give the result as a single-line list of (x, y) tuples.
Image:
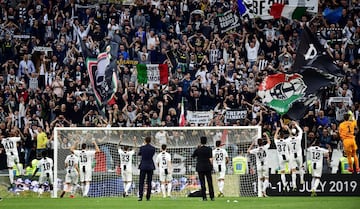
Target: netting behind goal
[(181, 142)]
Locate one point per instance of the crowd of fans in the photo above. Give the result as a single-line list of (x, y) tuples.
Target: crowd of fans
[(44, 82)]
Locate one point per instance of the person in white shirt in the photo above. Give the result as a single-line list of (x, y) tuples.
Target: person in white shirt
[(316, 155), (252, 49), (85, 161), (10, 146), (72, 175), (220, 160), (262, 165), (46, 165), (296, 163), (163, 161), (161, 137), (282, 147), (126, 156)]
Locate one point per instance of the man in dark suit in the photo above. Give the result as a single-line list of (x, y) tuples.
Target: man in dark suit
[(203, 156), (146, 167)]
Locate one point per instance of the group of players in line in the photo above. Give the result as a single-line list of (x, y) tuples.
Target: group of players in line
[(79, 163)]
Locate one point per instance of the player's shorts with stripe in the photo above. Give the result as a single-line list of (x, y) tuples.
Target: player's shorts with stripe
[(72, 177), (126, 175), (12, 160), (85, 174), (48, 176), (262, 171)]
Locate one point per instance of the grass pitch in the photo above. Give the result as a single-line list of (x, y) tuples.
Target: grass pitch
[(183, 203)]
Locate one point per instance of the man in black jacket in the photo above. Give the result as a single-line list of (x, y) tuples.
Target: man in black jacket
[(203, 156), (146, 167)]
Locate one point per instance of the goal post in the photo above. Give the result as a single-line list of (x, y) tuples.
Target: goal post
[(181, 142)]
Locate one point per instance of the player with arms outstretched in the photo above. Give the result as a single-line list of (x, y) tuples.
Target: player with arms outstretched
[(86, 157), (296, 163), (10, 146), (126, 156), (347, 130), (163, 161), (220, 160), (262, 165), (282, 147), (316, 156), (46, 166), (72, 175)]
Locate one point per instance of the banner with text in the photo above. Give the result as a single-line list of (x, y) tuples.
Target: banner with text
[(228, 21), (199, 117), (231, 116)]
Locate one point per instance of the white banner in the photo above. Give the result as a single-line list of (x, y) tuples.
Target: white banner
[(261, 8), (199, 117), (153, 74)]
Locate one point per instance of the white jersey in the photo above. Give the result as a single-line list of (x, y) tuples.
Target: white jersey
[(71, 161), (282, 147), (85, 158), (45, 165), (261, 156), (10, 145), (126, 159), (219, 156), (163, 159), (316, 157)]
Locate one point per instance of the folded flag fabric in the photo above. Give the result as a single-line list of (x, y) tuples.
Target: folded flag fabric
[(152, 73), (278, 10), (332, 15)]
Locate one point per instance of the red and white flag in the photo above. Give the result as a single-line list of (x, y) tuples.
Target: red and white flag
[(182, 119)]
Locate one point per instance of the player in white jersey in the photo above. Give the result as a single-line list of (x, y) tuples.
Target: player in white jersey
[(126, 156), (85, 162), (296, 163), (262, 165), (220, 160), (72, 175), (46, 166), (10, 146), (282, 147), (163, 161), (316, 155)]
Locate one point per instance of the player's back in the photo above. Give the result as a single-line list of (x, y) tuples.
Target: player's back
[(294, 143), (219, 156), (317, 154), (10, 145), (163, 159), (85, 157), (46, 164), (126, 157), (260, 154), (282, 147), (71, 161), (347, 129)]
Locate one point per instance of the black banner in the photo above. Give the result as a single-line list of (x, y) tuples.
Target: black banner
[(330, 185), (228, 21), (231, 116)]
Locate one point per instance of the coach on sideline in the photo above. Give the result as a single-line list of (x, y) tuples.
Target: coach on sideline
[(147, 167), (203, 156)]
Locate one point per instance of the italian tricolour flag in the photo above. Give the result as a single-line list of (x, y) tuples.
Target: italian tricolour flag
[(152, 73)]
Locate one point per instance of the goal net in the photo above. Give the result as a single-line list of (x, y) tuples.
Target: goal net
[(240, 180)]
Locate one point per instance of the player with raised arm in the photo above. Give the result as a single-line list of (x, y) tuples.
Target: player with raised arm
[(220, 160), (126, 156), (296, 163), (10, 146), (262, 165), (282, 147), (347, 130), (72, 175), (163, 161), (46, 166), (86, 157), (316, 156)]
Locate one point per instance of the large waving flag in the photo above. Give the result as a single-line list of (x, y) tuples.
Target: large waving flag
[(266, 10), (152, 73), (313, 72), (102, 72)]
